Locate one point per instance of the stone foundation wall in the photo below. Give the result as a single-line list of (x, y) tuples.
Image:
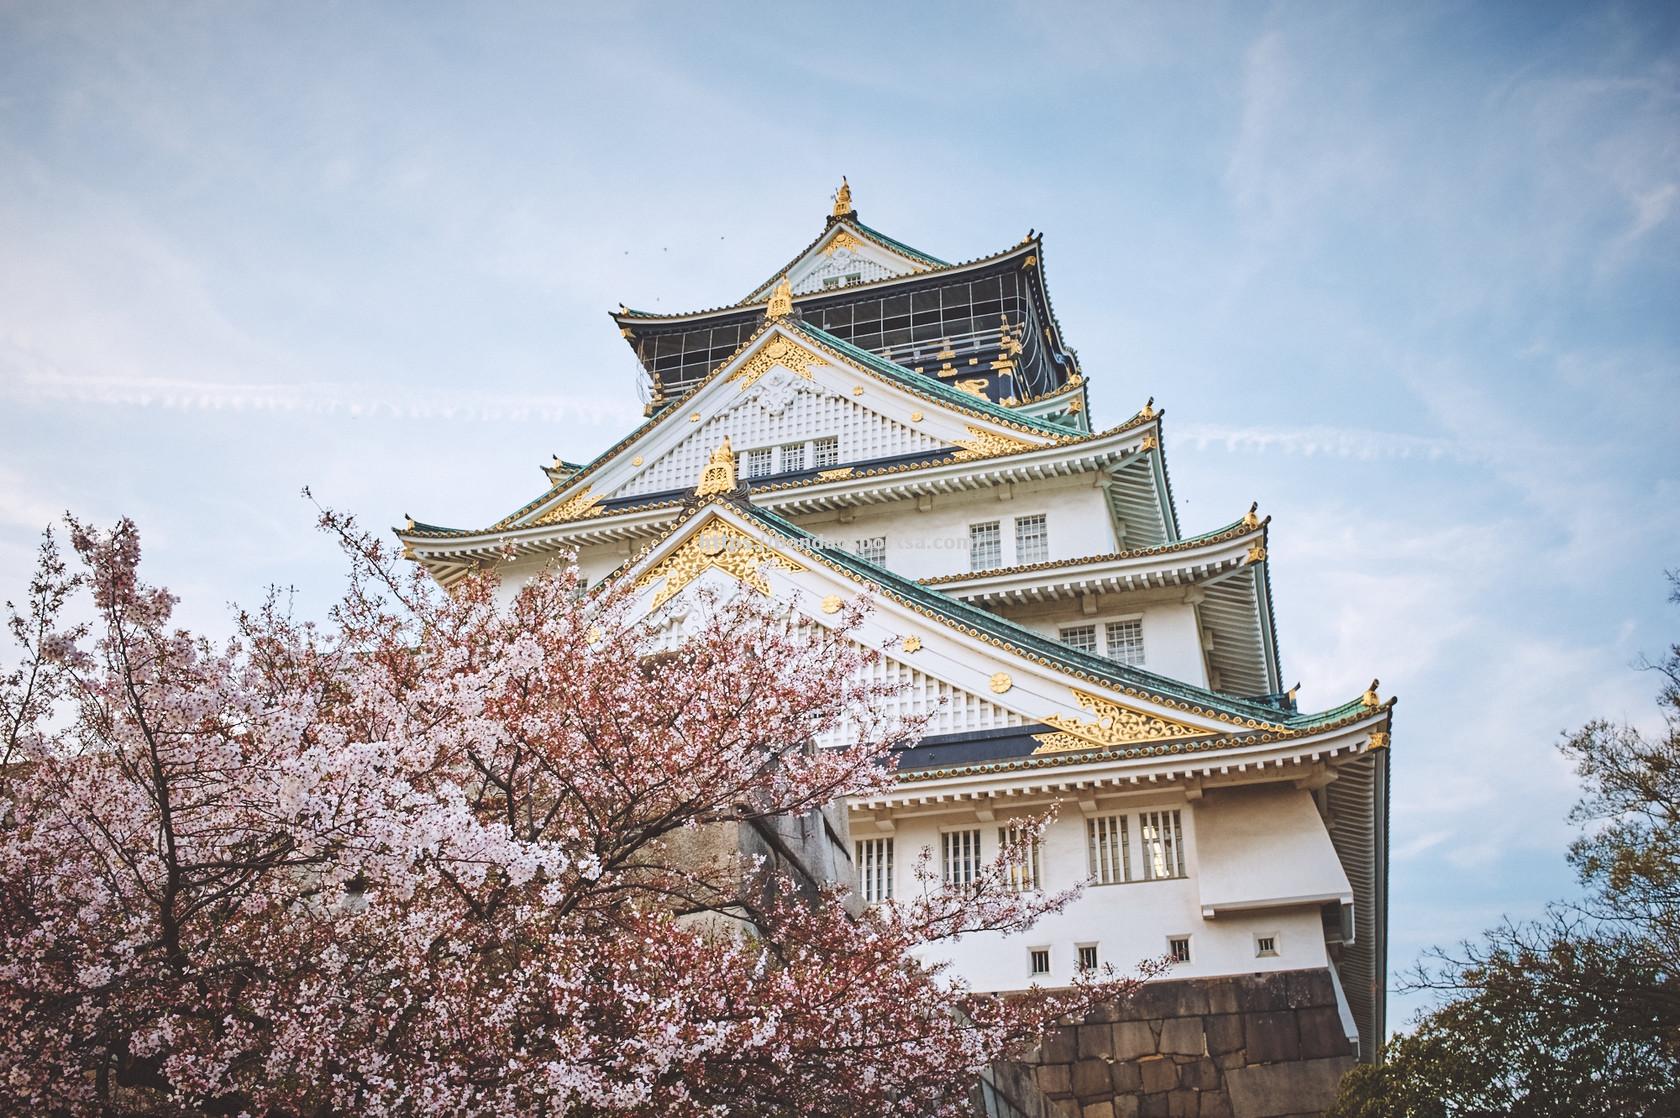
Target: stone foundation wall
[(1253, 1046)]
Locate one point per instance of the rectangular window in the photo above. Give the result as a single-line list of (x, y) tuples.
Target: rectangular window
[(873, 549), (831, 281), (1038, 961), (1023, 869), (875, 869), (1107, 845), (1088, 956), (757, 462), (1032, 539), (1125, 641), (985, 546), (1179, 948), (1265, 946), (793, 458), (1162, 841), (1080, 637), (827, 451), (962, 856)]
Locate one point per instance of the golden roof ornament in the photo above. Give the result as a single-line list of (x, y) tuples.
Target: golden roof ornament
[(781, 300), (718, 474), (1370, 697), (1251, 519), (843, 199), (1149, 408)]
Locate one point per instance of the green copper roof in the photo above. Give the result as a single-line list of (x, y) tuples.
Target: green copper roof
[(899, 246)]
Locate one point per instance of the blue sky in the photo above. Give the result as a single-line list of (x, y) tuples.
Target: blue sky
[(1407, 274)]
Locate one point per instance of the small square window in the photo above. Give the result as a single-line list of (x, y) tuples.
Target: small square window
[(831, 281), (854, 277), (827, 452), (1032, 539), (758, 462), (1087, 956), (1081, 638), (1179, 948), (872, 549), (1038, 961), (793, 458), (1125, 641), (1265, 946), (985, 546)]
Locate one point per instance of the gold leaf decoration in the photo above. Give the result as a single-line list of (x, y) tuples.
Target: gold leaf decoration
[(1114, 724), (984, 444), (583, 504), (842, 239), (777, 351), (1001, 683), (721, 546), (831, 604)]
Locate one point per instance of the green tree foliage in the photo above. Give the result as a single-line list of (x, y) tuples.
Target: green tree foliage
[(1578, 1013)]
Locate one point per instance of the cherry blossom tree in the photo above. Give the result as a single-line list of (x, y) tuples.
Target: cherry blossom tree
[(434, 856)]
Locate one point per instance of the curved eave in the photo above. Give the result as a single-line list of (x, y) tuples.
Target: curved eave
[(1275, 754), (462, 548), (1187, 563), (627, 318)]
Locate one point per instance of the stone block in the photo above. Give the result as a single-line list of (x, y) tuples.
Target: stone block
[(1224, 1032), (1222, 995), (1103, 1109), (1261, 992), (1159, 1074), (1182, 1036), (1275, 1090), (1126, 1077), (1133, 1039), (1153, 1106), (1181, 1103), (1304, 988), (1056, 1079), (1126, 1106), (1090, 1079), (1227, 1060), (1061, 1046), (1095, 1040), (1321, 1033), (1201, 1074), (1216, 1104), (1270, 1037)]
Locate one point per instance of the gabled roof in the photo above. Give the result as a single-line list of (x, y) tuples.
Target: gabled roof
[(915, 260)]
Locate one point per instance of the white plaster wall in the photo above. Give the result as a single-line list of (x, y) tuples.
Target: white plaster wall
[(1128, 922), (935, 542), (594, 563), (1171, 641)]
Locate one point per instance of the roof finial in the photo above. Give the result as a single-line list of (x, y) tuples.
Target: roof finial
[(1370, 698), (1149, 408), (718, 474), (781, 300), (843, 199), (1252, 518)]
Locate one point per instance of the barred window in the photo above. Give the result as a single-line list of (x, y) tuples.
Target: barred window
[(793, 458), (1023, 869), (1265, 946), (1038, 961), (962, 856), (1083, 638), (1179, 948), (1109, 848), (985, 546), (758, 462), (875, 869), (1087, 956), (873, 549), (1161, 840), (1125, 641), (827, 451), (1032, 539)]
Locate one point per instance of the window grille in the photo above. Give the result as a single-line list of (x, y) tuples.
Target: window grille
[(1032, 539), (793, 458), (1179, 948), (1038, 960), (1265, 946), (873, 549), (985, 546), (1109, 849), (1162, 840), (1023, 869), (962, 856), (828, 452), (1088, 957), (758, 463), (1080, 637), (1125, 641), (875, 869)]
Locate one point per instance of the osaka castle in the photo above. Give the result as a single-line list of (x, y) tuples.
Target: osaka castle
[(872, 421)]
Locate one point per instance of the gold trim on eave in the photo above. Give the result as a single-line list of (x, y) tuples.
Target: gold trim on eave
[(724, 547), (983, 444), (777, 351), (578, 507), (1115, 724)]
